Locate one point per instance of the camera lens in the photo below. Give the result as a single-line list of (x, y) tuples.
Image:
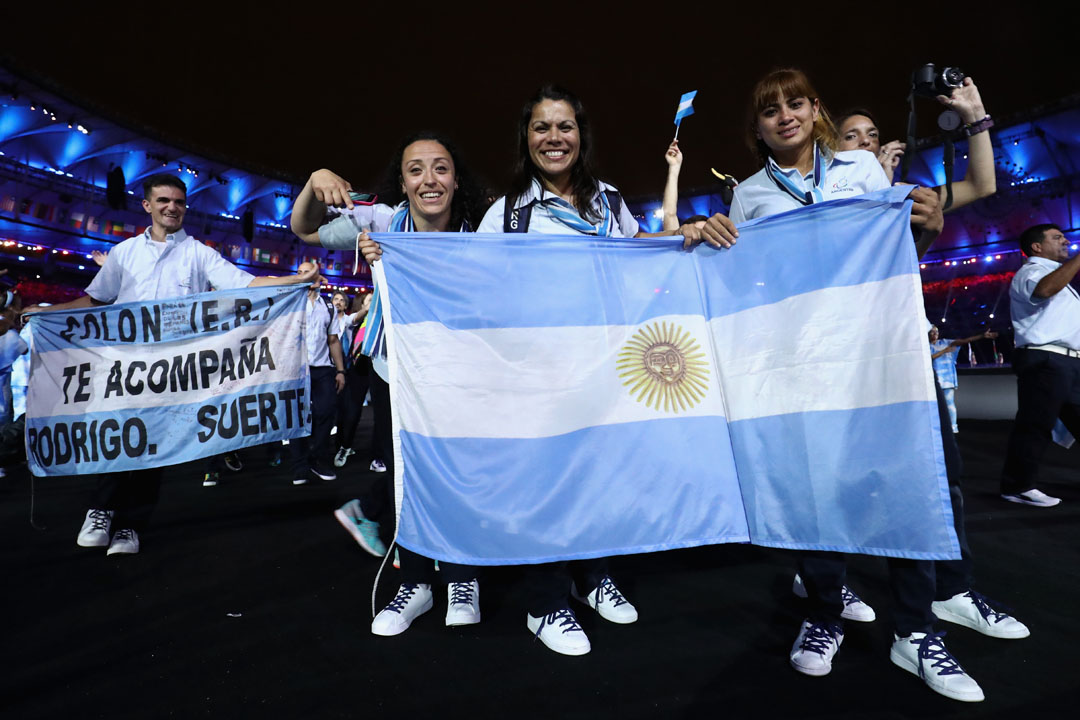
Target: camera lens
[(952, 77)]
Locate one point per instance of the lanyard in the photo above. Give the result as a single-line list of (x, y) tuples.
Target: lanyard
[(804, 198)]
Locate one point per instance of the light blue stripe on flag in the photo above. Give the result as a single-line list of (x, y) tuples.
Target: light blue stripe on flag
[(565, 398), (686, 106)]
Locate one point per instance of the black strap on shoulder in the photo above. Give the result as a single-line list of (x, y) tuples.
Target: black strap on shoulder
[(614, 201), (516, 220)]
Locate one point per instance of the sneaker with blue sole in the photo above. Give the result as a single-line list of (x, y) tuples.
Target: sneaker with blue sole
[(363, 530)]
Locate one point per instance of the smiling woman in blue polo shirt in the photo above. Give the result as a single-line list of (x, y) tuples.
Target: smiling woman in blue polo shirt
[(790, 131)]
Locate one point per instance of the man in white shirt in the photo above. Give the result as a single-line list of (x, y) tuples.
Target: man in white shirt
[(1046, 317), (311, 456), (163, 262)]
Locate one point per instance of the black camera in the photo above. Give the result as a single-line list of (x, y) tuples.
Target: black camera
[(931, 81)]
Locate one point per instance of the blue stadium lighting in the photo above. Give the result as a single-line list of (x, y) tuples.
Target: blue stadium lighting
[(989, 258)]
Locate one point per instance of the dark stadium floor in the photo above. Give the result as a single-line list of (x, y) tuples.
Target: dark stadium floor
[(249, 601)]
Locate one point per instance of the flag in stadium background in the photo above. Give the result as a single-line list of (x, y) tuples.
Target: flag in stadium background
[(574, 397)]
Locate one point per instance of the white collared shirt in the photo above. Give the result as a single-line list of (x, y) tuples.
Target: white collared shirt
[(849, 173), (1043, 321), (318, 323), (541, 220), (141, 269)]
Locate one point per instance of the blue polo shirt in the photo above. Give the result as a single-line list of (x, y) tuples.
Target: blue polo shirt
[(848, 173)]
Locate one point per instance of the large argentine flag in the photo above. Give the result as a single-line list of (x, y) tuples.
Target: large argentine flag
[(571, 397), (146, 384)]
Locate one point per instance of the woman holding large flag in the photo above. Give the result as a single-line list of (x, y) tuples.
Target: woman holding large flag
[(797, 144), (555, 191), (428, 189)]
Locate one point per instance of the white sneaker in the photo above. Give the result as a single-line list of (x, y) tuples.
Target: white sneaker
[(560, 632), (814, 648), (463, 603), (973, 610), (124, 542), (925, 655), (1033, 497), (95, 529), (411, 602), (609, 602), (342, 456), (855, 608), (377, 466)]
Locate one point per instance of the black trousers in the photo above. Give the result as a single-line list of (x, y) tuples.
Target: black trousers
[(351, 401), (913, 584), (380, 497), (307, 451), (547, 586), (131, 495), (1047, 388), (416, 568)]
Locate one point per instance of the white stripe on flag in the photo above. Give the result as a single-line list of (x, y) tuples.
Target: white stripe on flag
[(831, 349), (686, 104), (528, 382), (47, 390)]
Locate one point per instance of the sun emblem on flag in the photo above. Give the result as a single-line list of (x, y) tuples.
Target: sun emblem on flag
[(664, 367)]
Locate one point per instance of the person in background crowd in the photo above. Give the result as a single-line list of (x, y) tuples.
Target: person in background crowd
[(311, 456), (12, 347), (357, 380), (944, 357), (1046, 316), (670, 206), (859, 131)]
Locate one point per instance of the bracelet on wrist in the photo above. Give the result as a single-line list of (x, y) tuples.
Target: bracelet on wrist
[(977, 127)]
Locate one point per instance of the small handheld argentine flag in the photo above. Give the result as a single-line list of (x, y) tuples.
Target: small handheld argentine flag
[(686, 107)]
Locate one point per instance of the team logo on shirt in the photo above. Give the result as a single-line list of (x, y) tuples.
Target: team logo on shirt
[(841, 186), (664, 367)]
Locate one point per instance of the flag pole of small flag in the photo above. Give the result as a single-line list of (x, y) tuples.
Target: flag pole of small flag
[(686, 107)]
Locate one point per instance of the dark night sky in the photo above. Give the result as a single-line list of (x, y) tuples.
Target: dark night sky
[(285, 86)]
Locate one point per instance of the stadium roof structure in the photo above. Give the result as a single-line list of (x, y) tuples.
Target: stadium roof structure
[(56, 156)]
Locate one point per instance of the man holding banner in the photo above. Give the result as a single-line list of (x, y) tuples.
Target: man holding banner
[(164, 262)]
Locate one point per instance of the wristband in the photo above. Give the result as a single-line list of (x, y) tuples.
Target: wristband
[(977, 127)]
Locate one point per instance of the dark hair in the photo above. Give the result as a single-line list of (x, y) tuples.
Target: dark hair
[(1035, 234), (470, 198), (582, 175), (843, 117), (159, 180), (788, 83), (694, 219), (343, 294)]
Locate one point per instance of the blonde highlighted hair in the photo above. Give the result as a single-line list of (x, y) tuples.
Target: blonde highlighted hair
[(769, 90)]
